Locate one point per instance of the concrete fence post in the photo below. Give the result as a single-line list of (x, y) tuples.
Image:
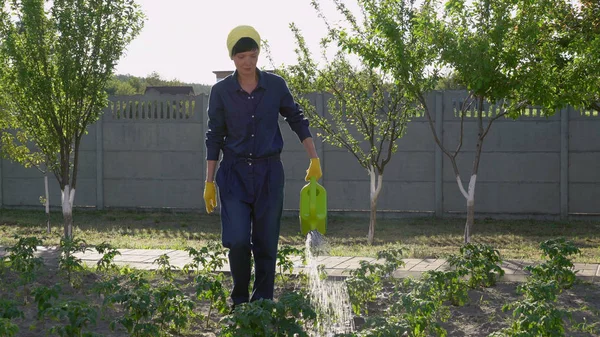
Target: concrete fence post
[(564, 163), (439, 155), (100, 160)]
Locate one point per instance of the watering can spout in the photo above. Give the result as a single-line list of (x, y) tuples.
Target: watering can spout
[(313, 208)]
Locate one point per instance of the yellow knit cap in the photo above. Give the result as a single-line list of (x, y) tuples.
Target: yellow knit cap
[(239, 32)]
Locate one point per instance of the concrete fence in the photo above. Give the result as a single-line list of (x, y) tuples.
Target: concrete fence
[(148, 152)]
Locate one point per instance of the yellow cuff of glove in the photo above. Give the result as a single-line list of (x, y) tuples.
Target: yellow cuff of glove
[(314, 170), (210, 196)]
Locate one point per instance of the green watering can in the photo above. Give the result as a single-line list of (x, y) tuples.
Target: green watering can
[(313, 208)]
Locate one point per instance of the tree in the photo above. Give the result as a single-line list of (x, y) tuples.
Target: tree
[(366, 113), (57, 63), (494, 48), (15, 145), (579, 30), (132, 85), (368, 99)]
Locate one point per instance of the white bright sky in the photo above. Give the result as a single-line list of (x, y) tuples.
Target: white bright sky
[(186, 39)]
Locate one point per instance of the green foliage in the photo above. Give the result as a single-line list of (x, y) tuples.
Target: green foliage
[(8, 328), (44, 297), (10, 310), (367, 109), (363, 285), (420, 315), (55, 63), (267, 318), (537, 314), (481, 262), (78, 315), (138, 307), (174, 309), (415, 313), (208, 259), (133, 85), (68, 262), (591, 328), (105, 289), (366, 281), (558, 267), (21, 258), (446, 286), (210, 287), (148, 310), (106, 262), (165, 269), (362, 101), (285, 262), (394, 38), (416, 307)]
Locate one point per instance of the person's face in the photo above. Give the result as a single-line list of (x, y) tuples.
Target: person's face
[(245, 63)]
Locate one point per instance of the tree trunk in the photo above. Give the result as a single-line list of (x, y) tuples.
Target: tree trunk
[(470, 208), (471, 194), (376, 182), (68, 195), (47, 201), (470, 197)]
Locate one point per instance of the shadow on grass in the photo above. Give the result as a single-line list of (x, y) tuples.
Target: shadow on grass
[(422, 237)]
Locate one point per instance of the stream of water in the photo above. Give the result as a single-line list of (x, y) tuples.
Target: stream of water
[(329, 297)]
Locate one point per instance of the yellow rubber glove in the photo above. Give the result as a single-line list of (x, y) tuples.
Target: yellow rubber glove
[(210, 196), (314, 169)]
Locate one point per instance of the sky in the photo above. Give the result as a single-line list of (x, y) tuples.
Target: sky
[(186, 39)]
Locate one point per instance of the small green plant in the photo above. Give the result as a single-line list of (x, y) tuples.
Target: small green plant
[(106, 262), (78, 315), (165, 269), (10, 310), (558, 265), (208, 259), (138, 306), (8, 328), (392, 260), (590, 328), (446, 286), (105, 289), (480, 262), (285, 262), (68, 262), (21, 258), (414, 313), (536, 314), (266, 318), (421, 315), (173, 309), (365, 282), (44, 297), (363, 286), (210, 287)]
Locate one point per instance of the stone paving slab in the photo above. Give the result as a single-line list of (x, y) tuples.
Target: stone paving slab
[(335, 266)]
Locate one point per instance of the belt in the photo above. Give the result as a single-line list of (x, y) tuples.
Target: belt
[(229, 155)]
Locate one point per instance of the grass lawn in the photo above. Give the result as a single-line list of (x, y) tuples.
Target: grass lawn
[(347, 236)]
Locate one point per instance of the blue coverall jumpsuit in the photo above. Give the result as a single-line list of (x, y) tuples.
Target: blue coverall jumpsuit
[(250, 176)]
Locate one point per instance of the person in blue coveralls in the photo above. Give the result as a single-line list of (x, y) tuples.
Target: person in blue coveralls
[(243, 113)]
